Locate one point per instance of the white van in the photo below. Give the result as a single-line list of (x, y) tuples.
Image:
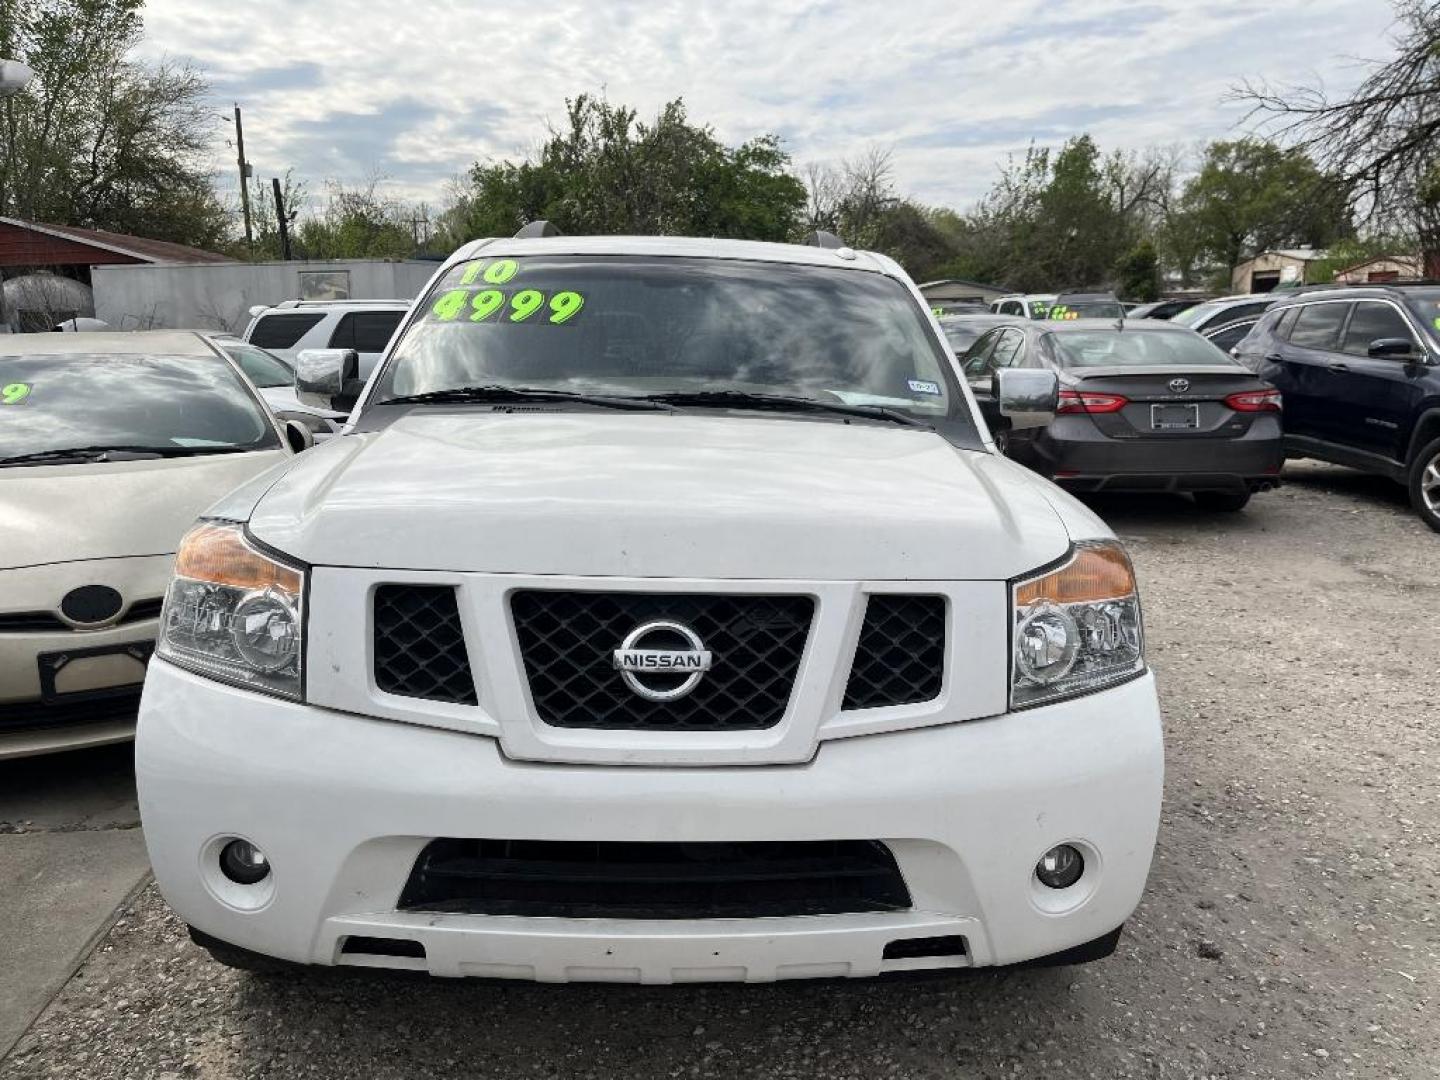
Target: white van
[(365, 326)]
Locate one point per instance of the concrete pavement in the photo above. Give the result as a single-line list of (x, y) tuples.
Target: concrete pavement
[(70, 852)]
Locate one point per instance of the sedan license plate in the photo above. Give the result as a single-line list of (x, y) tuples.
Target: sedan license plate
[(83, 671), (1174, 417)]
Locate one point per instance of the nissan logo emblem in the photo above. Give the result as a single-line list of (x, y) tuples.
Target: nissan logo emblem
[(637, 664)]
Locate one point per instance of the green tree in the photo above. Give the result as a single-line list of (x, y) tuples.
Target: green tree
[(606, 172), (1252, 196), (99, 138), (356, 223), (1139, 273)]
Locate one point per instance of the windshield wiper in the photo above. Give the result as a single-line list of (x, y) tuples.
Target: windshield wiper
[(497, 394), (113, 453), (743, 399)]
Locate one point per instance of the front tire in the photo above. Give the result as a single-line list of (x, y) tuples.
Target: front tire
[(1424, 484), (1223, 502)]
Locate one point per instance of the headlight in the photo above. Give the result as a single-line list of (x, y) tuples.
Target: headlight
[(234, 613), (1077, 628)]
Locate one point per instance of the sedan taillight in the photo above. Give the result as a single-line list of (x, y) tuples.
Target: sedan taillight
[(1255, 401), (1077, 401)]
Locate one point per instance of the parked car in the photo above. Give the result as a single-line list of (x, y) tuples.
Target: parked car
[(275, 379), (363, 325), (623, 639), (1161, 309), (1224, 310), (1146, 406), (1360, 370), (110, 445), (1025, 305), (962, 330), (1228, 335)]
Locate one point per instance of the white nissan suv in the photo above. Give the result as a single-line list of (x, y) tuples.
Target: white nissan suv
[(665, 615)]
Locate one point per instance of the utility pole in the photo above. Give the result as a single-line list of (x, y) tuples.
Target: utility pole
[(244, 181), (281, 219)]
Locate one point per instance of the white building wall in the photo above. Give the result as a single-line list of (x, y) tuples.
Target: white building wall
[(218, 296)]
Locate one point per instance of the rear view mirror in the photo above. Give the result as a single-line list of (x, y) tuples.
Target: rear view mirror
[(1028, 397), (1395, 348), (325, 377)]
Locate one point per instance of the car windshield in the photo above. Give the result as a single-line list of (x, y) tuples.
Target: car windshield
[(633, 326), (168, 404), (1063, 309), (1194, 316), (961, 335), (1133, 347), (1426, 304), (260, 367)]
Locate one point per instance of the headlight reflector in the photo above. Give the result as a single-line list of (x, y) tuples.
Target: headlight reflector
[(234, 613), (1077, 628)]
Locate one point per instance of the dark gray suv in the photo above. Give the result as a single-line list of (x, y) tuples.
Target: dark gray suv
[(1359, 368)]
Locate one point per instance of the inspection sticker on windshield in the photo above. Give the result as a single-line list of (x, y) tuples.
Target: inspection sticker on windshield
[(14, 393), (920, 386)]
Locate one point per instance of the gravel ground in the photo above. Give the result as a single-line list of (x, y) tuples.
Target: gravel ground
[(1290, 926)]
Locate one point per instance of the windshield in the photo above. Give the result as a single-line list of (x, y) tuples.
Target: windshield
[(1140, 348), (1063, 309), (195, 404), (260, 367), (1426, 304), (629, 326), (1194, 316), (962, 335)]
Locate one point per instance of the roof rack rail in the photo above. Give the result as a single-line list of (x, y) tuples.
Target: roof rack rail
[(533, 230), (822, 239)]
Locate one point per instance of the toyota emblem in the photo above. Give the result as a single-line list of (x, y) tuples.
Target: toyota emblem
[(1179, 385)]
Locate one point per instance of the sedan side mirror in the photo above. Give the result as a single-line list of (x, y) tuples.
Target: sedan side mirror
[(299, 436), (324, 377), (1027, 396), (1396, 348)]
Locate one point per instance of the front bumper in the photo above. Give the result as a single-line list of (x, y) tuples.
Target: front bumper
[(342, 805)]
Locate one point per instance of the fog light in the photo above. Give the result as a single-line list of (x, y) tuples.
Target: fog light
[(1060, 867), (244, 863)]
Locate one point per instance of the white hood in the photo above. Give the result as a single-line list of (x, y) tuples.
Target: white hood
[(65, 513), (659, 495)]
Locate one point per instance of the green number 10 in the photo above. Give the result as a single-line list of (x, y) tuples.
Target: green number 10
[(15, 393)]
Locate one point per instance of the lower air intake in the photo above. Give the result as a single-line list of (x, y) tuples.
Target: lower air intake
[(614, 880)]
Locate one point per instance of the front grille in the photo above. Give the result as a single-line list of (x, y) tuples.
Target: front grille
[(91, 707), (568, 641), (48, 622), (613, 880), (900, 657), (420, 645)]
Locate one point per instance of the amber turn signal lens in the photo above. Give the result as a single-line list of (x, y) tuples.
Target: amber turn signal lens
[(1097, 572), (218, 553)]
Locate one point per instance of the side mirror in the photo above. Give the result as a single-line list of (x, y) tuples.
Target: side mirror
[(298, 435), (1396, 348), (323, 376), (1027, 396)]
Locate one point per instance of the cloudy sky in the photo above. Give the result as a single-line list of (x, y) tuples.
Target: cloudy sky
[(341, 89)]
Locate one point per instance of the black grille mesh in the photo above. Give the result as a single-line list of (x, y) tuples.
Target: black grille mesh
[(900, 658), (654, 880), (419, 644), (568, 640)]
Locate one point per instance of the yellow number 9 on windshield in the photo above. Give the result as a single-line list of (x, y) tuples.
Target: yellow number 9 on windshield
[(564, 306), (15, 393), (525, 303)]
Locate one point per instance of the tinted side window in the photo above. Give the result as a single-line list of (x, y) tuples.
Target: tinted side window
[(1007, 350), (1286, 322), (1373, 320), (1318, 326), (1011, 307), (974, 362), (1230, 336), (365, 331), (1243, 311), (282, 331)]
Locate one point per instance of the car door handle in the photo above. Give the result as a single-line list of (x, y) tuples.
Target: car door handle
[(1337, 366), (1274, 358)]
